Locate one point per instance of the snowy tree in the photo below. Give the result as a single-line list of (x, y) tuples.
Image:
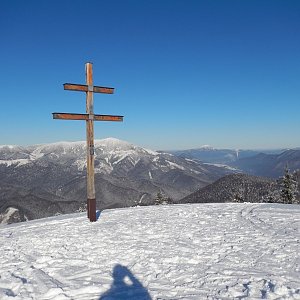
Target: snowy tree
[(296, 185), (238, 197), (162, 199), (273, 196), (159, 199), (82, 208), (289, 188)]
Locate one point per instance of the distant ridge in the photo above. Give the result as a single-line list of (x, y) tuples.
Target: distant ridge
[(209, 154), (269, 165)]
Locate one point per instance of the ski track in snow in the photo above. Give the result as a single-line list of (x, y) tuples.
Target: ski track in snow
[(206, 251)]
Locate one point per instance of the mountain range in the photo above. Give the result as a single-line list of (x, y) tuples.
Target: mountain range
[(266, 163), (210, 154), (269, 165), (43, 180)]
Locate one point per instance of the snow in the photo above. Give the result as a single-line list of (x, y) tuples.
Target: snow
[(208, 251), (121, 156), (80, 164), (8, 146), (17, 162), (222, 166), (207, 147), (174, 165), (4, 218), (191, 160), (113, 143), (114, 148), (110, 154), (151, 152)]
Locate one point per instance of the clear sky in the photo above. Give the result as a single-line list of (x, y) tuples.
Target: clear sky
[(186, 73)]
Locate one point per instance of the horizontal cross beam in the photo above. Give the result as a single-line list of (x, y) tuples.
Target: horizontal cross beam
[(86, 117), (88, 88)]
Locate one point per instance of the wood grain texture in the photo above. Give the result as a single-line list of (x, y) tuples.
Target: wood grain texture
[(85, 117), (90, 135), (84, 88)]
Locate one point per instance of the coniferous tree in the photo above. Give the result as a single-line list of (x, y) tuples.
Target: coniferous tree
[(296, 187), (238, 198), (159, 198), (82, 208), (289, 187), (162, 199)]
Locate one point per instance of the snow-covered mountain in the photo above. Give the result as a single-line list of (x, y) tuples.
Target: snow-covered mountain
[(42, 180), (111, 156), (186, 252)]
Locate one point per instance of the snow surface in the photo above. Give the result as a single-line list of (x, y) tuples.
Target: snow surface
[(18, 162), (174, 165), (222, 166), (208, 251), (4, 218)]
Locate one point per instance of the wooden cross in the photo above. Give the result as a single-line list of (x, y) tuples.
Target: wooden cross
[(89, 117)]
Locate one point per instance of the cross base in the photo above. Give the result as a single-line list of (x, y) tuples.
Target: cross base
[(91, 209)]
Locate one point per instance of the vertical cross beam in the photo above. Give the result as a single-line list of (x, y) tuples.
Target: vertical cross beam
[(91, 198)]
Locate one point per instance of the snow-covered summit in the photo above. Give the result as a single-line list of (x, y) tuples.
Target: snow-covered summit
[(113, 143), (206, 147), (8, 146), (107, 144), (108, 152)]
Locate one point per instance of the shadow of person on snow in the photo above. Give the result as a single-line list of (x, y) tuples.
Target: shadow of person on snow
[(125, 286)]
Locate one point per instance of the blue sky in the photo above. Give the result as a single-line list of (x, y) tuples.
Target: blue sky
[(186, 73)]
